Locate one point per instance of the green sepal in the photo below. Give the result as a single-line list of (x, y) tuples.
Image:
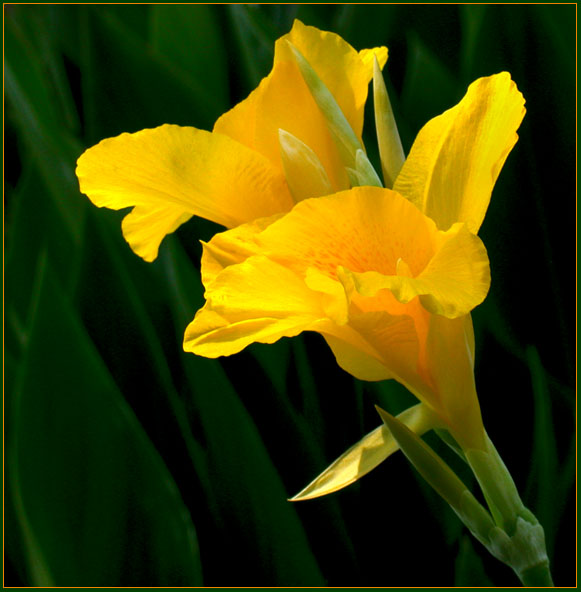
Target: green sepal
[(524, 551)]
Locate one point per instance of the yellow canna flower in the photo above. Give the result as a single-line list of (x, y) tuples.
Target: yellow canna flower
[(387, 276), (389, 287)]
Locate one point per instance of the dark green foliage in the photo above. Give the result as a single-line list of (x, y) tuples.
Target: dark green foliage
[(129, 462)]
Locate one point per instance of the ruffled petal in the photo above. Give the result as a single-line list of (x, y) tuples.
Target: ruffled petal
[(456, 158), (283, 100), (455, 280), (171, 173), (363, 229), (337, 265), (255, 301), (231, 247)]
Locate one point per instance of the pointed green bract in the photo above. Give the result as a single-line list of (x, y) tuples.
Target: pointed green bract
[(344, 136), (354, 179), (365, 170), (364, 456), (425, 460), (439, 475), (390, 148)]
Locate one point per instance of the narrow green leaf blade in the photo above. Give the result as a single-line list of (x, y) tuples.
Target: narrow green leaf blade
[(188, 38), (98, 500)]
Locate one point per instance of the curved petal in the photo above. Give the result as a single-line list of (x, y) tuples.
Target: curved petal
[(370, 239), (171, 173), (345, 72), (144, 228), (455, 280), (255, 301), (283, 100), (450, 361), (367, 454), (304, 280), (231, 247), (363, 229), (456, 158), (375, 346)]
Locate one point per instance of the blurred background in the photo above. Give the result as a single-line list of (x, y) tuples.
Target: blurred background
[(129, 462)]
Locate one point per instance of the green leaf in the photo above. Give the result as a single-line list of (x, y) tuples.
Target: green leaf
[(188, 38), (545, 448), (429, 88), (41, 127), (255, 37), (34, 229), (249, 486), (364, 456), (138, 88), (94, 500), (468, 567), (472, 17)]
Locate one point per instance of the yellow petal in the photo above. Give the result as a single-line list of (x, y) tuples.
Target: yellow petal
[(363, 229), (171, 173), (455, 280), (457, 156), (144, 228), (334, 299), (345, 72), (364, 456), (326, 249), (376, 346), (254, 301), (450, 362), (231, 247), (283, 100)]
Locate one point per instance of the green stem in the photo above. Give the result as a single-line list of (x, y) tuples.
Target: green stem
[(538, 575), (518, 539)]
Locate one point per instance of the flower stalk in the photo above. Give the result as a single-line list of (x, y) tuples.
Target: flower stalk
[(510, 532)]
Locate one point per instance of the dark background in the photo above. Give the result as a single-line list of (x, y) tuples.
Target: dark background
[(129, 462)]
